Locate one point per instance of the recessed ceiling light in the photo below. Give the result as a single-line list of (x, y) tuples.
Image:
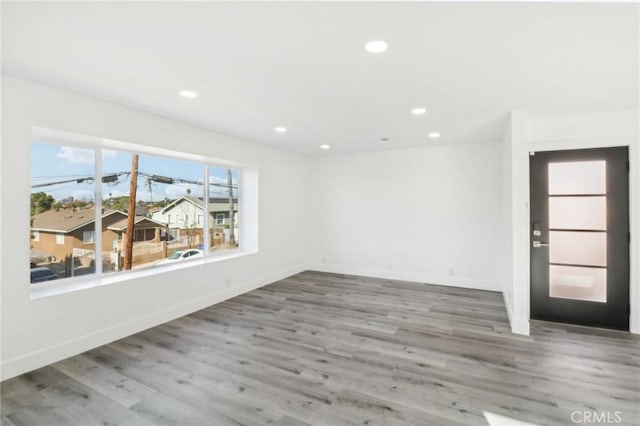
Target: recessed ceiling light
[(190, 94), (434, 135), (325, 146), (419, 111), (281, 129), (376, 46), (384, 140)]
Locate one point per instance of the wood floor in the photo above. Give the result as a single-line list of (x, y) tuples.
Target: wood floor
[(326, 349)]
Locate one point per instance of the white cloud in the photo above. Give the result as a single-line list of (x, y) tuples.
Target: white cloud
[(222, 180), (141, 194), (109, 153), (221, 190), (76, 155), (83, 194), (175, 191), (144, 195), (115, 194)]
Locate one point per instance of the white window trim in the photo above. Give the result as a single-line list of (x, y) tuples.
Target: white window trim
[(249, 244), (59, 238), (67, 285), (36, 235)]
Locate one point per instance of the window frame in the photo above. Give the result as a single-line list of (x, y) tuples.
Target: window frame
[(93, 237), (60, 240), (97, 145)]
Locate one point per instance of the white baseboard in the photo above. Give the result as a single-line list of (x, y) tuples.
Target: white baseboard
[(31, 361), (507, 305), (453, 281), (518, 326)]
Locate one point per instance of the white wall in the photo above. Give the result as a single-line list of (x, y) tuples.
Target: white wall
[(431, 214), (506, 234), (40, 331), (517, 217), (548, 133)]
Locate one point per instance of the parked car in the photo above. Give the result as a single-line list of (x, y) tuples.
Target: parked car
[(42, 274), (182, 255)]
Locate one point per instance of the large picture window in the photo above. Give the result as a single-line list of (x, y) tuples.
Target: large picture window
[(152, 210)]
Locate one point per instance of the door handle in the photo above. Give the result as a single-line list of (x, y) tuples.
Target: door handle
[(538, 244)]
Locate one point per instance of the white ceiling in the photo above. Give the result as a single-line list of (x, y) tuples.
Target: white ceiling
[(303, 66)]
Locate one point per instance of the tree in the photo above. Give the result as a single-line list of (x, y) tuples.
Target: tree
[(79, 203), (41, 202), (118, 203)]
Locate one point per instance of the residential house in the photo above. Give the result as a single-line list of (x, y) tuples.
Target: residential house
[(184, 216), (71, 231), (145, 230), (63, 232)]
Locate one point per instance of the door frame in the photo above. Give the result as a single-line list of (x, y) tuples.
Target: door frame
[(518, 307), (613, 314)]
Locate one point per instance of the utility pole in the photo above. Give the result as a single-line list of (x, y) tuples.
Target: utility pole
[(232, 237), (131, 214)]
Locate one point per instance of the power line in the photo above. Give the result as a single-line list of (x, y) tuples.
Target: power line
[(59, 176), (61, 188), (109, 178), (113, 179), (89, 180)]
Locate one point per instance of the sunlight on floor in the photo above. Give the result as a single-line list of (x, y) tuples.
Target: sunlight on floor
[(498, 420)]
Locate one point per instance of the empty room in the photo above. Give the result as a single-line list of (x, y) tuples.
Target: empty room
[(320, 213)]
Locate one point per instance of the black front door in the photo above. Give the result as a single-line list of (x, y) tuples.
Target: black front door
[(580, 236)]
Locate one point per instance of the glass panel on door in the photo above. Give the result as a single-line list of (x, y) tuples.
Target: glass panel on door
[(578, 248), (578, 230), (579, 212), (562, 177), (578, 283)]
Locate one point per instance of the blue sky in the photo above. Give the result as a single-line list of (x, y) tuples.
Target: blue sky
[(54, 163)]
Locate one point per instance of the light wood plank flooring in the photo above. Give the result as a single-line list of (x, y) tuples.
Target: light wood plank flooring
[(326, 349)]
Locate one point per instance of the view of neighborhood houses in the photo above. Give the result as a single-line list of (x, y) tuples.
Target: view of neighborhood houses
[(168, 210)]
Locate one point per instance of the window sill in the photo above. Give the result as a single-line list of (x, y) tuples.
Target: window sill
[(67, 285)]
